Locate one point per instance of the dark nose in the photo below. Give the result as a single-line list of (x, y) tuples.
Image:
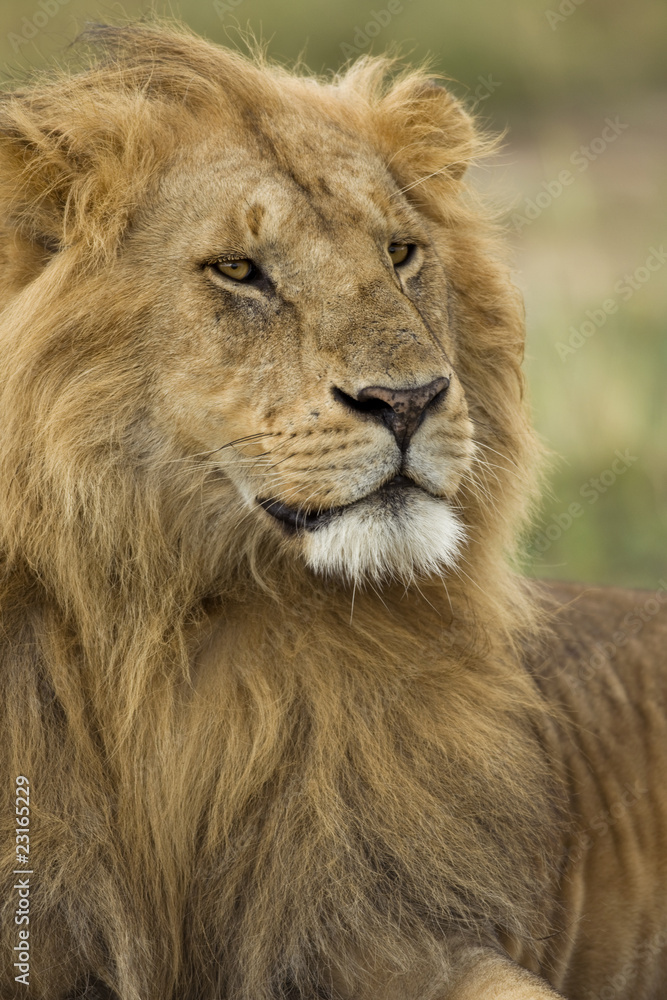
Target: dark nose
[(401, 410)]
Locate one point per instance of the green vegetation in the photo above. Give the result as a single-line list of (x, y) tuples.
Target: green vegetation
[(580, 86)]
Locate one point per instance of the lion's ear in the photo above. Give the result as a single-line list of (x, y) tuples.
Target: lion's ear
[(34, 177), (70, 162), (427, 137), (429, 127)]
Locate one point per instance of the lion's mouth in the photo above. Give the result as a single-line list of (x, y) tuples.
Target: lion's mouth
[(296, 519)]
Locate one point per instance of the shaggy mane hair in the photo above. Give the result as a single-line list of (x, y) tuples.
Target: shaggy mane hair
[(339, 785)]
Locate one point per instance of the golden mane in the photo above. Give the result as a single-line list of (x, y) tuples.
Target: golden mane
[(219, 825)]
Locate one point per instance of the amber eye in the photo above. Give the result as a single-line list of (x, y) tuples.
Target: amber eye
[(237, 269), (399, 252)]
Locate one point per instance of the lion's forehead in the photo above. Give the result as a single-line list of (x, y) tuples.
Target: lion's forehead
[(281, 193)]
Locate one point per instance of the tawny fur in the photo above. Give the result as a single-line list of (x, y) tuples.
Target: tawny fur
[(248, 780)]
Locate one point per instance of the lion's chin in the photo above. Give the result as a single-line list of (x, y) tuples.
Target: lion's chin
[(402, 534)]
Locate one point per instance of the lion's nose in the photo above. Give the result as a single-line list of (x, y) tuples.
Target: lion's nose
[(401, 410)]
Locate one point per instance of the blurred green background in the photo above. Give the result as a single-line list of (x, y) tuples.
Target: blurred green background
[(581, 87)]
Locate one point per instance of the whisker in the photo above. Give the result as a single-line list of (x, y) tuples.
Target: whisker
[(482, 463), (475, 484), (483, 444), (425, 598), (449, 600), (228, 444), (377, 593), (421, 180)]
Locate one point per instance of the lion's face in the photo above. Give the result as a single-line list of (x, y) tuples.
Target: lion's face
[(274, 283), (308, 355)]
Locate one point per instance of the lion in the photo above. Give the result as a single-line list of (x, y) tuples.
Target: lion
[(281, 719)]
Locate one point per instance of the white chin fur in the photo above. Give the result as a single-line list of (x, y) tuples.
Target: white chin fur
[(403, 536)]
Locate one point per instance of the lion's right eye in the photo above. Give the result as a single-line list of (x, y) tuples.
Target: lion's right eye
[(239, 270), (400, 253)]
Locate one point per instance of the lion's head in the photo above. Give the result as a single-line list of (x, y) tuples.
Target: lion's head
[(266, 293)]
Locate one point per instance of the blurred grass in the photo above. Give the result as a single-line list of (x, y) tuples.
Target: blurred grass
[(552, 78)]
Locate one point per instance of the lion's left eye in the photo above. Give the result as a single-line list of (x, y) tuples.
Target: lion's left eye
[(400, 252), (240, 270)]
